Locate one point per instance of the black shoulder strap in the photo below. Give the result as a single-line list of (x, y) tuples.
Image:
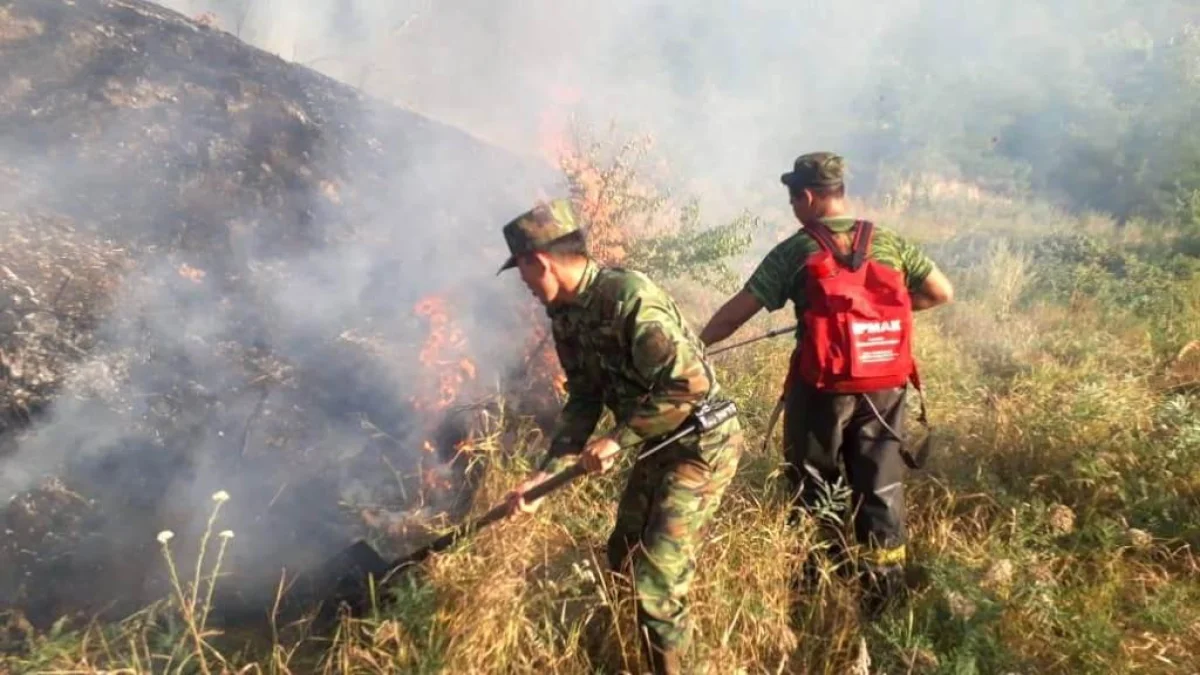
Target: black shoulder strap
[(864, 231), (824, 239)]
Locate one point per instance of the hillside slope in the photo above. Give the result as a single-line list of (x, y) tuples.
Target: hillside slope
[(217, 272)]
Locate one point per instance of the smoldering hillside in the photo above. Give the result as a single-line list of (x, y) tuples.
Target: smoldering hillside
[(222, 271)]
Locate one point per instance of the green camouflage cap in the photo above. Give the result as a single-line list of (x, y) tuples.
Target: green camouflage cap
[(537, 228), (815, 169)]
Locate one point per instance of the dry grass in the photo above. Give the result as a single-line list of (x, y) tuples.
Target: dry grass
[(1054, 532)]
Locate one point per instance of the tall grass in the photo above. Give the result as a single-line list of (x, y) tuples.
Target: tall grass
[(1054, 532)]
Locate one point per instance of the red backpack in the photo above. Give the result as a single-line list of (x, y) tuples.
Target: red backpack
[(858, 324)]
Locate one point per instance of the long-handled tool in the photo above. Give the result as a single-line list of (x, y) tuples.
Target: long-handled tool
[(352, 572), (765, 336)]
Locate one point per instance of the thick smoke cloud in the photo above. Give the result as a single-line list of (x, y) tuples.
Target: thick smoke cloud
[(733, 90), (999, 92), (266, 243)]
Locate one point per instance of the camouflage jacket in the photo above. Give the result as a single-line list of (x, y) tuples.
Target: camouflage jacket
[(780, 276), (623, 344)]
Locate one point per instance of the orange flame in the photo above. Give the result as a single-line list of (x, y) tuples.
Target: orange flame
[(541, 382), (447, 369), (433, 480)]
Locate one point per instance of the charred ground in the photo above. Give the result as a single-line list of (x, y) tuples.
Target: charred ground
[(210, 259)]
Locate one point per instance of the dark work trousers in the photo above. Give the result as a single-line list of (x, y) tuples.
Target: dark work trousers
[(824, 433)]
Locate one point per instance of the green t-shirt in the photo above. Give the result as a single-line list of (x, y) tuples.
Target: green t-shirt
[(780, 276)]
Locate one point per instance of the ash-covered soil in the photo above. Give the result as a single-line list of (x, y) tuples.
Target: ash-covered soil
[(209, 263)]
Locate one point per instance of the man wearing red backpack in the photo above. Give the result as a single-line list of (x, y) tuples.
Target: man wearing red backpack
[(854, 287)]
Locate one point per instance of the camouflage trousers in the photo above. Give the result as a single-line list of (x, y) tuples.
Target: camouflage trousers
[(667, 504)]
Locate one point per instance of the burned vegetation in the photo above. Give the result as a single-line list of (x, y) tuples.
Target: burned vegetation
[(221, 271)]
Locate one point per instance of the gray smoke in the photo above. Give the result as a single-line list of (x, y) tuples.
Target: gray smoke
[(1032, 94), (240, 244), (214, 268)]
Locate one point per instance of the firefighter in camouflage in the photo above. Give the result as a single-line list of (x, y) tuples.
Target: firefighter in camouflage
[(624, 346), (827, 432)]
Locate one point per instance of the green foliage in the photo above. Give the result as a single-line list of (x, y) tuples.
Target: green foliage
[(1152, 285), (1160, 494), (695, 252), (631, 222), (1155, 286), (1093, 105), (957, 623), (413, 607)]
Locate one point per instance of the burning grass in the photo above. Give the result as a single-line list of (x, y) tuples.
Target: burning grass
[(1056, 531)]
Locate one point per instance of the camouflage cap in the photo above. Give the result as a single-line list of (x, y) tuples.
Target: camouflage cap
[(539, 227), (816, 169)]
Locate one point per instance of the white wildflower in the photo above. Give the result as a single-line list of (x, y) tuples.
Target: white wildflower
[(1139, 538), (221, 496), (165, 536), (226, 534), (583, 572)]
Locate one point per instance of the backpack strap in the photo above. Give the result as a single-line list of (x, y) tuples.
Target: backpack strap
[(918, 459), (864, 232), (914, 460), (824, 239)]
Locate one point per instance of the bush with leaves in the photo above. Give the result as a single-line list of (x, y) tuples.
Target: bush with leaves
[(632, 223)]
